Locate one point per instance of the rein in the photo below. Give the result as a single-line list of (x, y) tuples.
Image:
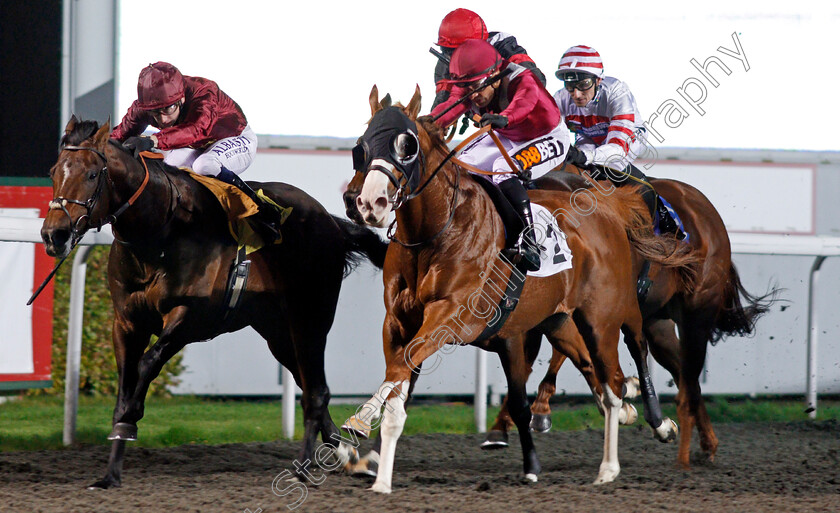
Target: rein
[(60, 203), (399, 200)]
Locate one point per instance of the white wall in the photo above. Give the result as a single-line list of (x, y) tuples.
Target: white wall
[(770, 198)]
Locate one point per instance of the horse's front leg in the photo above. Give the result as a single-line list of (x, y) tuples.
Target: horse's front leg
[(139, 371), (129, 343), (401, 360)]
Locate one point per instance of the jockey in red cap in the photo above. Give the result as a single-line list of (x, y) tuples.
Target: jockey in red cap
[(463, 24), (199, 127), (527, 122)]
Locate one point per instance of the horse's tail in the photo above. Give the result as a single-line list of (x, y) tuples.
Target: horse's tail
[(664, 250), (360, 242), (735, 318)]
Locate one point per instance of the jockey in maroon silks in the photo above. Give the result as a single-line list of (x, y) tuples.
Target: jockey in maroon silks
[(201, 127), (526, 119), (459, 26)]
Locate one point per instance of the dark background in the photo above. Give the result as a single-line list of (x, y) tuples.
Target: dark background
[(30, 86)]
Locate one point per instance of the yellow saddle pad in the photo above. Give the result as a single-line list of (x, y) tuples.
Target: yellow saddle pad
[(238, 207)]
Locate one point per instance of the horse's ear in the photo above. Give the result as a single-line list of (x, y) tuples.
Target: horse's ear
[(386, 102), (71, 124), (413, 107), (373, 99), (102, 135)]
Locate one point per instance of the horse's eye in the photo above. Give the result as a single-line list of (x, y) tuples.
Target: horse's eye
[(93, 175)]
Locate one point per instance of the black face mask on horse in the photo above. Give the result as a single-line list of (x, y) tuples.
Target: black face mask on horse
[(391, 137)]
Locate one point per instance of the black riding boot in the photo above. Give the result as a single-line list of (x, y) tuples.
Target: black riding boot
[(264, 221), (526, 247)]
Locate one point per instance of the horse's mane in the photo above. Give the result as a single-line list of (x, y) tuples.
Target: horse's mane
[(82, 131), (434, 132)]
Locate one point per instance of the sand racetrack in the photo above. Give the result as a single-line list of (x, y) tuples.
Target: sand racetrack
[(760, 467)]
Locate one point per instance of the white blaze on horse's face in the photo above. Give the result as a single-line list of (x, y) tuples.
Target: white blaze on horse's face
[(374, 201)]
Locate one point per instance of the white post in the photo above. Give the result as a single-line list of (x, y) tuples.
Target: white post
[(813, 335), (288, 404), (74, 343), (480, 401)]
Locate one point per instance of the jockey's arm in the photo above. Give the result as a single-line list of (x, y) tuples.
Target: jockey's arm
[(453, 114), (133, 123), (523, 101)]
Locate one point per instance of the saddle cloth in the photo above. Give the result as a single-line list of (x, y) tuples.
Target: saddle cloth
[(238, 207), (661, 220), (557, 256)]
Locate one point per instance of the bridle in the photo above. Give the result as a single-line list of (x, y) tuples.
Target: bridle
[(60, 203), (391, 234), (400, 193)]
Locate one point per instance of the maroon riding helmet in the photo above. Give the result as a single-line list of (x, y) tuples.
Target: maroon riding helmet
[(160, 85), (459, 26), (474, 60)]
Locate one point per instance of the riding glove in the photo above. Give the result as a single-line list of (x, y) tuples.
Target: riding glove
[(494, 120), (576, 157), (138, 144)]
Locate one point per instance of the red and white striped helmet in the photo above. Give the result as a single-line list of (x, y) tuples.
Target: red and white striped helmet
[(577, 61)]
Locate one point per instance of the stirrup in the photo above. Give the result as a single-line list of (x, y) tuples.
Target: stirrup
[(529, 259)]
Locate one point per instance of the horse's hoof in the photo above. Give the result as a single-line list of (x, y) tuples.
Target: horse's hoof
[(124, 431), (530, 478), (607, 474), (495, 440), (104, 484), (346, 454), (366, 467), (380, 488), (360, 428), (540, 423), (631, 387), (627, 415), (667, 431)]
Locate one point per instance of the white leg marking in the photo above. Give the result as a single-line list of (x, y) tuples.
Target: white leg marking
[(632, 388), (598, 402), (392, 426), (609, 466)]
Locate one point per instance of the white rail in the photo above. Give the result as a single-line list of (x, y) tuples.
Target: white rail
[(17, 229), (28, 230)]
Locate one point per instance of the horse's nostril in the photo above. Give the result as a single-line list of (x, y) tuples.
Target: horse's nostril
[(381, 202)]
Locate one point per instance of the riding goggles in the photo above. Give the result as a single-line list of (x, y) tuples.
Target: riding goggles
[(168, 110), (581, 85)]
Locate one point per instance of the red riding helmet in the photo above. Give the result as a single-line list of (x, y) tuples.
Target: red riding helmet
[(160, 85), (474, 60), (459, 26)]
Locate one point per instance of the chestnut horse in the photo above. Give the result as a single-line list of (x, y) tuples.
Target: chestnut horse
[(169, 267), (717, 306), (449, 241)]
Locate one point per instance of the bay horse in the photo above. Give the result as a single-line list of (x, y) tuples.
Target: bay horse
[(717, 306), (169, 265), (449, 238)]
